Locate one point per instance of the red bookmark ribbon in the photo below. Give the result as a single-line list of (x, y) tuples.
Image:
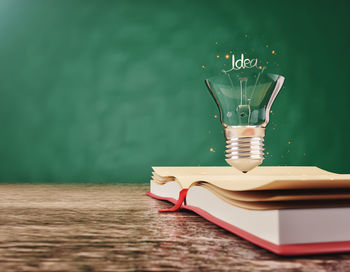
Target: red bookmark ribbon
[(182, 196)]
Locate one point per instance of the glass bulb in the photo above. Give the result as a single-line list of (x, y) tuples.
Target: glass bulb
[(244, 95)]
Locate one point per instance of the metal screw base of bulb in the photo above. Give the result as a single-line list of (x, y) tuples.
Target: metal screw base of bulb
[(245, 147)]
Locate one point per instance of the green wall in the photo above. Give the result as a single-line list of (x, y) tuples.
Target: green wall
[(102, 90)]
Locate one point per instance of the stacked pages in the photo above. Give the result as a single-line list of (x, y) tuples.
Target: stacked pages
[(287, 210)]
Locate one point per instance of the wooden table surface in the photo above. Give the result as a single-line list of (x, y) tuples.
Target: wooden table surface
[(117, 228)]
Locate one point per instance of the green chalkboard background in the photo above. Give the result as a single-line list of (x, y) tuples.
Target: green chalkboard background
[(99, 91)]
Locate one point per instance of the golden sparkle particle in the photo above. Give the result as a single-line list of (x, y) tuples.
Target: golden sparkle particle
[(271, 111), (267, 153), (217, 56), (215, 116), (212, 149), (260, 67), (203, 66), (216, 43), (289, 142), (273, 52), (267, 46), (227, 56)]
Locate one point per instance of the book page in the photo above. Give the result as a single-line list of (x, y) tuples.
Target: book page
[(278, 195), (260, 178)]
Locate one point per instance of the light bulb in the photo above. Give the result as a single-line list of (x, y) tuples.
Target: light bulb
[(244, 95)]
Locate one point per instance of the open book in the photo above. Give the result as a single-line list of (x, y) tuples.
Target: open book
[(287, 210)]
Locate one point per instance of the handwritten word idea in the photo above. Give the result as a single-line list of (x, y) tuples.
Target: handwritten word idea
[(242, 63)]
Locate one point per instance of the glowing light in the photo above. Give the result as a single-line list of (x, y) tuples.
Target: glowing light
[(215, 116), (273, 51), (267, 46), (217, 56), (271, 111), (227, 56), (289, 142), (203, 66), (212, 149), (260, 67)]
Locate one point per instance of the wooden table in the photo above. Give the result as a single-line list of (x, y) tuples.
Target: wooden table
[(117, 228)]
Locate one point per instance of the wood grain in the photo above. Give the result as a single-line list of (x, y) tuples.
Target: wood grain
[(117, 228)]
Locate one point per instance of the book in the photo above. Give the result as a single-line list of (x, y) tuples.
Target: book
[(286, 210)]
